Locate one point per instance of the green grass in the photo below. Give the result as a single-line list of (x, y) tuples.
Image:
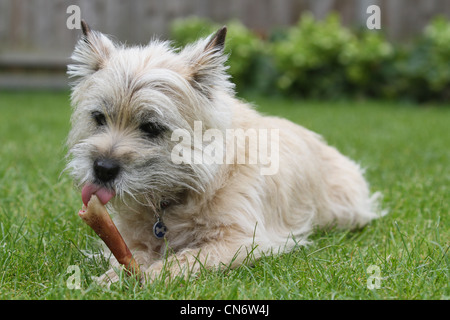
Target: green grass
[(405, 148)]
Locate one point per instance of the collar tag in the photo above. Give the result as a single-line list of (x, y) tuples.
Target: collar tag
[(159, 229)]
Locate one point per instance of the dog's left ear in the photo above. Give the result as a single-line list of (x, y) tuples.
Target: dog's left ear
[(206, 60), (217, 42), (91, 52)]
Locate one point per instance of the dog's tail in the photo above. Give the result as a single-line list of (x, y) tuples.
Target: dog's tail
[(351, 213), (363, 212), (373, 211)]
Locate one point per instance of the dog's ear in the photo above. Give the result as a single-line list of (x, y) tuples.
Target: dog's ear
[(91, 52), (86, 29), (217, 42), (206, 60)]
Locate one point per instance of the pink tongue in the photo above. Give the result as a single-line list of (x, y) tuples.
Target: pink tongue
[(103, 194)]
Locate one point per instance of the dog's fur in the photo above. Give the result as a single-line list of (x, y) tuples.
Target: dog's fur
[(217, 213)]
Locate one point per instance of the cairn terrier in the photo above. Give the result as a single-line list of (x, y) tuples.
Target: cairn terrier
[(177, 207)]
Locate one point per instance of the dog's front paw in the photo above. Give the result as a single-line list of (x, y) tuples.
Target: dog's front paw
[(107, 278), (153, 272), (183, 265)]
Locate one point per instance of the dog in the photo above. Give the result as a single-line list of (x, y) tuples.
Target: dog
[(177, 210)]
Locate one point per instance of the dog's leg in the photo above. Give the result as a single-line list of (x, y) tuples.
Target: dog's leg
[(142, 257), (190, 261)]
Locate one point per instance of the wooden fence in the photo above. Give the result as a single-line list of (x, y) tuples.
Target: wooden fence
[(34, 35)]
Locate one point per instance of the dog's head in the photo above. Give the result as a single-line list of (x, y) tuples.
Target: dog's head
[(126, 103)]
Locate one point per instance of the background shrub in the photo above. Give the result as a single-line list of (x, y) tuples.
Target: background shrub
[(324, 59), (368, 60), (309, 58), (424, 66)]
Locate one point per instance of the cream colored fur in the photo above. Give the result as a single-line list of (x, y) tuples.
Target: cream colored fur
[(218, 213)]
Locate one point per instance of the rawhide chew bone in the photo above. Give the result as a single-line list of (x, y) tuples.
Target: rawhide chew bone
[(96, 217)]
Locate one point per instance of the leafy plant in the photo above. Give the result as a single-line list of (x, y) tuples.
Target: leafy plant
[(424, 68), (309, 58), (324, 59), (368, 60)]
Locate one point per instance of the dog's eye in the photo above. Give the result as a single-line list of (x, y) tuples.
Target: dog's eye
[(151, 129), (99, 118)]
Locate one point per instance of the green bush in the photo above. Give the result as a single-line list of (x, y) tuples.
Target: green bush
[(324, 59), (184, 31), (309, 57), (424, 67), (367, 61)]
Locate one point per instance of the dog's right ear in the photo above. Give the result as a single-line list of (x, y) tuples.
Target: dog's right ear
[(217, 42), (91, 53), (206, 60)]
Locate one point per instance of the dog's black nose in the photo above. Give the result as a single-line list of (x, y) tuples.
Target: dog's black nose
[(106, 169)]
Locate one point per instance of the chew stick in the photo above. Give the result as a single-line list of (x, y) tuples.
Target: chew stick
[(96, 217)]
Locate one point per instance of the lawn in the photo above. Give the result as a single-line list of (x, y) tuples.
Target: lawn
[(405, 148)]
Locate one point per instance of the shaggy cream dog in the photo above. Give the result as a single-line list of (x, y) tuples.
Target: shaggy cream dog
[(175, 203)]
